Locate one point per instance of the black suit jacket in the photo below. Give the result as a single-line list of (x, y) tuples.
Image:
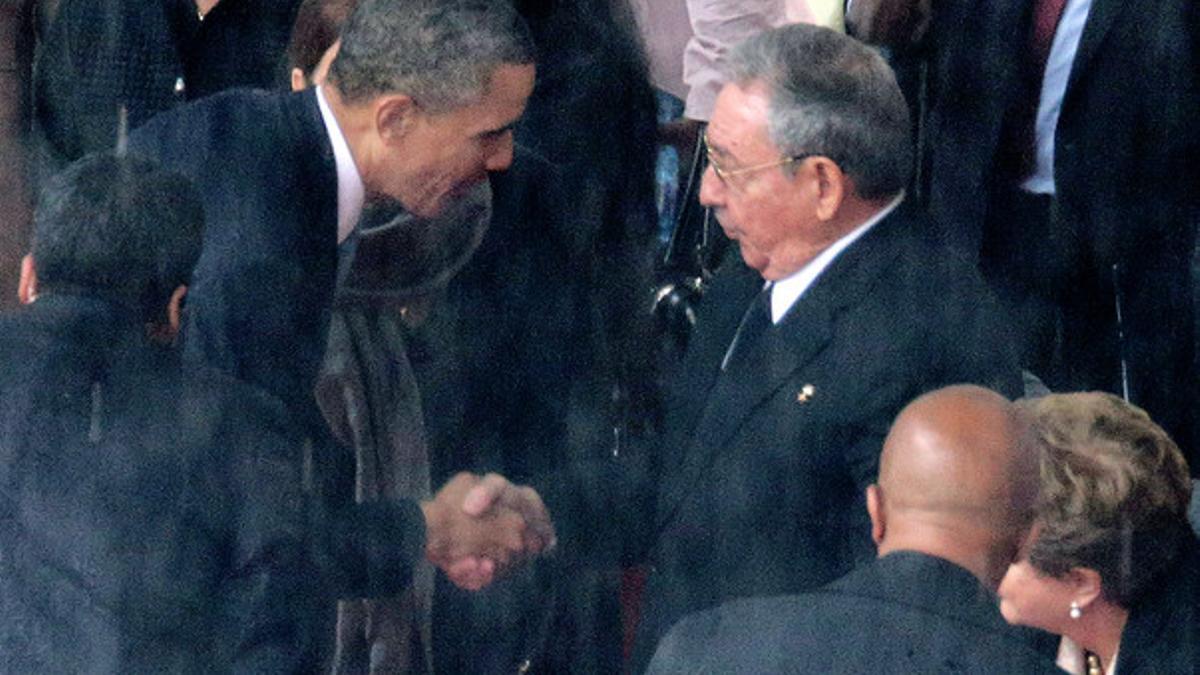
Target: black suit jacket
[(757, 486), (258, 305), (1128, 185), (1162, 634), (904, 613), (1126, 138), (163, 525)]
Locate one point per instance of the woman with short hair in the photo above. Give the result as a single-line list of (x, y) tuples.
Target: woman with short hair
[(1111, 563)]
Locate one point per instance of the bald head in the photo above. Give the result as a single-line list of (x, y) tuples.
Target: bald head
[(957, 479)]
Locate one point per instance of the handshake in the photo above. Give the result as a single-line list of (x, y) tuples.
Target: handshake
[(478, 528)]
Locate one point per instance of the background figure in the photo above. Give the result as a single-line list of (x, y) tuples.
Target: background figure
[(1069, 176), (957, 480), (107, 565), (148, 56), (1112, 563)]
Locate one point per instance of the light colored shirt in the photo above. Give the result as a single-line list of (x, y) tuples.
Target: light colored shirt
[(350, 190), (665, 30), (787, 291), (1072, 659), (719, 25), (1054, 88)]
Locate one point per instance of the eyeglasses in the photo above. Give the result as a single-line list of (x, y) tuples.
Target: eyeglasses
[(726, 174)]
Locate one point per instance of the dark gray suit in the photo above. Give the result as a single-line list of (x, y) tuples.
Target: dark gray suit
[(1128, 186), (756, 488), (904, 613)]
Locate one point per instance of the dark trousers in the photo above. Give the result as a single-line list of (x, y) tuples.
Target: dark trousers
[(1061, 292)]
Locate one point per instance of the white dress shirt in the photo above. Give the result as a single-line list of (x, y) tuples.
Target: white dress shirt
[(788, 290), (1054, 88), (350, 190)]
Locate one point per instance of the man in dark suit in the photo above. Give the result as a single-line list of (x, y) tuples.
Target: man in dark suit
[(954, 499), (418, 108), (776, 416), (1060, 154)]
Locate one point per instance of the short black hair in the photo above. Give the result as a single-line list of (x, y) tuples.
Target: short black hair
[(118, 227), (442, 53)]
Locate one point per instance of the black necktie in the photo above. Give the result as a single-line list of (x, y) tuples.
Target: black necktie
[(755, 323)]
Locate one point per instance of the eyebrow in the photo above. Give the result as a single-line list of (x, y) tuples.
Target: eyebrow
[(715, 148)]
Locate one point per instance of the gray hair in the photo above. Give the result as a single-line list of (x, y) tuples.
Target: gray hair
[(442, 53), (831, 95)]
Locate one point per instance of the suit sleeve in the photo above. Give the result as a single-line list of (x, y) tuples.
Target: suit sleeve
[(285, 558)]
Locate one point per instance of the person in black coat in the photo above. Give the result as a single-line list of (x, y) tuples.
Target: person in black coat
[(1068, 173), (956, 485), (129, 541), (147, 57), (1112, 563)]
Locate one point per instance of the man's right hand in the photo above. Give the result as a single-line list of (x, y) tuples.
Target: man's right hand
[(472, 545)]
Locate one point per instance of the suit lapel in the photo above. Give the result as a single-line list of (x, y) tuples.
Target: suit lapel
[(1100, 19), (734, 396)]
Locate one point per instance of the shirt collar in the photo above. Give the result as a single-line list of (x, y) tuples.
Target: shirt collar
[(350, 193), (787, 291)]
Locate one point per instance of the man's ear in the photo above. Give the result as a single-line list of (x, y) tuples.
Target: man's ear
[(831, 186), (27, 286), (299, 82), (876, 511), (175, 309), (395, 115)]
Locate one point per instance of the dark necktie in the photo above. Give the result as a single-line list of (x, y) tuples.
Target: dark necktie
[(1021, 136), (755, 323)]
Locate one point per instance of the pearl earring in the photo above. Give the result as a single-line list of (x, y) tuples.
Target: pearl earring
[(1075, 611)]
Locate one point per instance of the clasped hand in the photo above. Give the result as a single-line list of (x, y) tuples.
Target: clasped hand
[(478, 528)]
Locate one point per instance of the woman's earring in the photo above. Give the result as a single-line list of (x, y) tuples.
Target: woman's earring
[(1075, 611)]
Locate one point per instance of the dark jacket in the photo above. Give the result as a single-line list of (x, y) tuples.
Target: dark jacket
[(756, 487), (904, 613), (156, 520), (1162, 634), (259, 302)]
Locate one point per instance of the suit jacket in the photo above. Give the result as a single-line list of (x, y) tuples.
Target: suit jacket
[(1128, 186), (258, 306), (96, 56), (904, 613), (149, 522), (260, 300), (1162, 634), (1124, 141), (756, 488)]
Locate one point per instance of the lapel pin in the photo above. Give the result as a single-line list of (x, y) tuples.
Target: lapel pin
[(806, 393)]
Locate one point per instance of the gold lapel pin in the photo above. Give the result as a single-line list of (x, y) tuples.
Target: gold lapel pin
[(806, 393)]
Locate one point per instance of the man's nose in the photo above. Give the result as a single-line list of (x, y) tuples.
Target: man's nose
[(712, 190)]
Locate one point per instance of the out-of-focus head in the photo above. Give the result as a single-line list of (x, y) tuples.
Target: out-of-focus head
[(1112, 514), (437, 86), (810, 124), (122, 228), (314, 42), (957, 479)]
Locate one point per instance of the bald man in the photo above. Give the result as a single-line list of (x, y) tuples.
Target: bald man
[(957, 479)]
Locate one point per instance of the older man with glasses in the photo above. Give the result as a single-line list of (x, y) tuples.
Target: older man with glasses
[(776, 418)]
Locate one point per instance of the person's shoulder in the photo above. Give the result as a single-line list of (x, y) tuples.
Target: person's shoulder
[(230, 114)]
